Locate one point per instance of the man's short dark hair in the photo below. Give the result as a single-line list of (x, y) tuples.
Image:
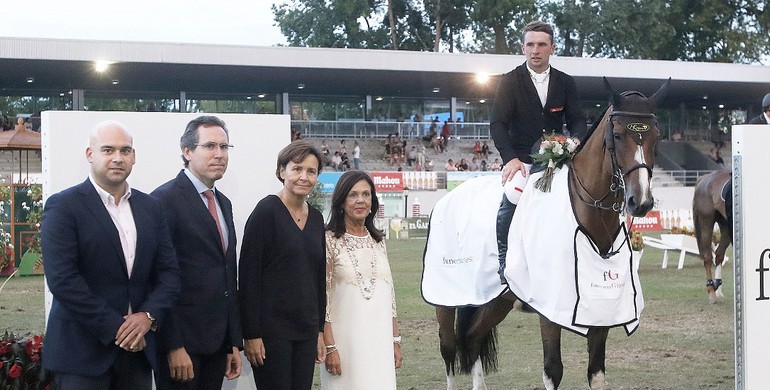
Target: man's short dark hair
[(190, 135), (538, 26)]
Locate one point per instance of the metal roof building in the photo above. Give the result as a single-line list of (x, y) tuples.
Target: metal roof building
[(52, 67)]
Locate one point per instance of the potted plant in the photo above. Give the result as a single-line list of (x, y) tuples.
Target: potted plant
[(637, 244), (21, 363)]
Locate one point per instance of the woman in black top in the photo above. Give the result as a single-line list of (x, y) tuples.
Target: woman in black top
[(282, 277)]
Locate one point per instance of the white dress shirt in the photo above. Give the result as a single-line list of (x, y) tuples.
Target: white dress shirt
[(124, 221), (541, 81)]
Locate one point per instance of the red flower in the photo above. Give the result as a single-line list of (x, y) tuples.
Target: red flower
[(15, 371)]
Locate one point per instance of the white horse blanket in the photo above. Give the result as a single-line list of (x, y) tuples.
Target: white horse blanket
[(551, 264)]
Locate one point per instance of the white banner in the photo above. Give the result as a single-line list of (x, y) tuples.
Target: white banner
[(752, 255)]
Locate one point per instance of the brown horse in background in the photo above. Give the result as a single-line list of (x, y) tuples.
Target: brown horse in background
[(609, 174), (712, 203)]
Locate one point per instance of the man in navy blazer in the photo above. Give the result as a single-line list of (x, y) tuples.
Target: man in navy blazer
[(111, 268), (532, 100), (201, 339)]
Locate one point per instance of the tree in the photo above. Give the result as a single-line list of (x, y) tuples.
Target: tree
[(338, 23), (497, 24)]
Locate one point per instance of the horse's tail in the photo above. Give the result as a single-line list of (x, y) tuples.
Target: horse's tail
[(472, 348)]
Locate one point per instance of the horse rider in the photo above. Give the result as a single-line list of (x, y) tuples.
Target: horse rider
[(764, 117), (532, 100)]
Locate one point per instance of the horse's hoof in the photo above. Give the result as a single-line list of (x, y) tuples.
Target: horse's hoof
[(712, 298), (597, 381), (719, 296)]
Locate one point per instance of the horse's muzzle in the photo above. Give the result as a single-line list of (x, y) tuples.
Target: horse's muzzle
[(639, 206)]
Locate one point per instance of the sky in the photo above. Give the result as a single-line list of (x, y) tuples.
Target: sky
[(229, 22)]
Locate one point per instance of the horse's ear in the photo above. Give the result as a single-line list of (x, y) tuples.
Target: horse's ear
[(661, 93), (614, 95)]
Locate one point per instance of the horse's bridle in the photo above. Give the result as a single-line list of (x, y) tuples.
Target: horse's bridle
[(618, 184)]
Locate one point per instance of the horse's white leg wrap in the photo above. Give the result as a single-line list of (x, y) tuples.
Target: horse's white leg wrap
[(720, 297), (478, 376), (597, 381), (547, 382), (450, 382)]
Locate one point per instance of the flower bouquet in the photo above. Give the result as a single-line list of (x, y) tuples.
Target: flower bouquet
[(554, 151)]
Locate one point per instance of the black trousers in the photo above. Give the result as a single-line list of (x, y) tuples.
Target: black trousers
[(130, 371), (289, 365), (209, 372), (504, 217)]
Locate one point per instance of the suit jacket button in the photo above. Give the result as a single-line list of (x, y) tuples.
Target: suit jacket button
[(227, 294)]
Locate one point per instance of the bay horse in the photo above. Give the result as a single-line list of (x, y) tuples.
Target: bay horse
[(609, 174), (712, 203)]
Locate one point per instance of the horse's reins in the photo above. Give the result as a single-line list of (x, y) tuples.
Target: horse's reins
[(617, 185)]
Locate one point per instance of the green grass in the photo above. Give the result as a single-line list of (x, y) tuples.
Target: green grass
[(683, 341)]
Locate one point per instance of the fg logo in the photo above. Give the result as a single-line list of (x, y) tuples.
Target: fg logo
[(610, 275)]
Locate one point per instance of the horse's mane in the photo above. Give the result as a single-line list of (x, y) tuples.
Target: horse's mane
[(591, 129)]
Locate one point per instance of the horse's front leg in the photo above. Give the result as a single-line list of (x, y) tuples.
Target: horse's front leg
[(597, 345), (553, 369), (448, 341), (725, 238)]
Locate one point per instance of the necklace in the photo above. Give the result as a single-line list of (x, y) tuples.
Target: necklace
[(366, 285)]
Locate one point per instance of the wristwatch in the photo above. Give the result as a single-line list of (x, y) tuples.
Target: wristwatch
[(397, 340), (154, 324)]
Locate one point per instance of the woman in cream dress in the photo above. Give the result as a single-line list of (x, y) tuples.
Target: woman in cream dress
[(363, 346)]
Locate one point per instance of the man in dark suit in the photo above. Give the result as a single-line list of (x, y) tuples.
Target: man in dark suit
[(111, 268), (531, 101), (201, 339), (764, 117)]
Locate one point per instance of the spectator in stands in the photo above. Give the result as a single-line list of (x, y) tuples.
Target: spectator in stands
[(325, 152), (445, 135), (434, 125), (477, 149), (5, 124), (428, 165), (388, 146), (343, 149), (416, 123), (473, 165), (345, 162), (411, 156), (484, 150), (483, 166), (677, 136), (450, 166), (764, 117), (337, 161), (356, 155), (495, 166), (421, 158), (462, 165), (435, 143), (396, 154)]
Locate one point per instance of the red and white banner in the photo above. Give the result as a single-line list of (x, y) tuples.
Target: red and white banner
[(651, 221), (388, 181)]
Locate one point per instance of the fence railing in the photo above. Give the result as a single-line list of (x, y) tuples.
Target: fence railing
[(374, 129), (687, 178)]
